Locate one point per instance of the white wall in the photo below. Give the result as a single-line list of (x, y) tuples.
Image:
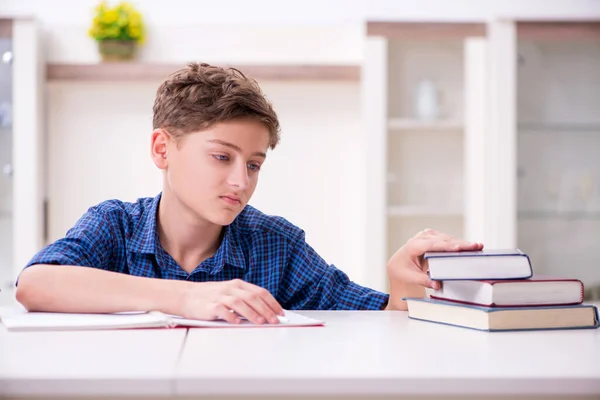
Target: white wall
[(270, 30), (98, 148), (177, 12)]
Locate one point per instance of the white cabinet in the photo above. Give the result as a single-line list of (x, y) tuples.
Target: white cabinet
[(512, 157), (424, 92), (558, 142), (6, 138), (21, 156)]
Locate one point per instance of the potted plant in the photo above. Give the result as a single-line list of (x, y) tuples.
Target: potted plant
[(118, 30)]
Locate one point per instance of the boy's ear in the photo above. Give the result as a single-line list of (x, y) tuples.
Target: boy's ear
[(158, 149)]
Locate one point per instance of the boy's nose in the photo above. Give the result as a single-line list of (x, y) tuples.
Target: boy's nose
[(239, 177)]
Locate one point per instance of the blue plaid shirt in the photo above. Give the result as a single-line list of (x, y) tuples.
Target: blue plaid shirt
[(264, 250)]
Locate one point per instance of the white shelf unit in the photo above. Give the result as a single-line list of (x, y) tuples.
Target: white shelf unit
[(518, 150), (424, 173), (423, 211), (412, 125), (21, 210), (558, 142)]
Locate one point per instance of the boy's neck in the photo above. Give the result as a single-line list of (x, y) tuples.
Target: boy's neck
[(183, 235)]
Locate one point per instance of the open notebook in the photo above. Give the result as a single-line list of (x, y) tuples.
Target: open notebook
[(15, 319)]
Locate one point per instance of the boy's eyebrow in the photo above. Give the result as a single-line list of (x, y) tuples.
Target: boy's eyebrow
[(236, 148)]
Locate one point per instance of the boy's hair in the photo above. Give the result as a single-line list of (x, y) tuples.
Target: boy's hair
[(199, 96)]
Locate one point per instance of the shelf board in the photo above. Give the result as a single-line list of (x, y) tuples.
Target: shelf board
[(559, 127), (559, 215), (425, 30), (423, 211), (559, 30), (408, 124), (140, 71), (6, 28)]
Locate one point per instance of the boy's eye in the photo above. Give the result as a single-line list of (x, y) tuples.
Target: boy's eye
[(254, 167), (221, 157)]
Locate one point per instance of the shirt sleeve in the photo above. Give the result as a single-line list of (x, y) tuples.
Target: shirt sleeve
[(312, 284), (90, 243)]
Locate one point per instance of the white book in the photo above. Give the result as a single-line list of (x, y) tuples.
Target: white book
[(15, 319), (479, 265), (537, 290)]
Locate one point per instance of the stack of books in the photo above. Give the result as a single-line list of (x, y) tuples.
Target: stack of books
[(496, 290)]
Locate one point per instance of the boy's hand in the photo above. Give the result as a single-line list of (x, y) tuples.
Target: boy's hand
[(407, 271), (230, 300)]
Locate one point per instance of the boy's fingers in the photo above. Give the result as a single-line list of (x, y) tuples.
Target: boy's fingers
[(220, 311), (266, 297), (440, 244), (242, 307), (254, 300), (418, 277), (270, 301)]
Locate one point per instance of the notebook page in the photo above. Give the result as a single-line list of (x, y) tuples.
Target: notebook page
[(291, 319), (20, 320)]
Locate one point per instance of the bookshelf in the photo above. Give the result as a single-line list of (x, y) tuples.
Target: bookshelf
[(558, 148), (511, 160)]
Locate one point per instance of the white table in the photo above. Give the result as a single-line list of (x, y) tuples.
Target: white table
[(368, 354), (90, 363), (386, 354)]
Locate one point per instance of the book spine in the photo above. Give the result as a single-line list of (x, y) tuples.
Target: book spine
[(530, 267)]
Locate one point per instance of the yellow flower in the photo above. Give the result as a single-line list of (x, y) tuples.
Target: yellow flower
[(135, 33), (109, 17), (113, 32), (121, 22)]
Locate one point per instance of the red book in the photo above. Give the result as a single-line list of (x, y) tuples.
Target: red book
[(535, 291)]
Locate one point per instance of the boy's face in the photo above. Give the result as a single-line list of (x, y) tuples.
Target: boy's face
[(213, 173)]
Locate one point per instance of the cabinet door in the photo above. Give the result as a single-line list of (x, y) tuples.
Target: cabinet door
[(558, 142), (6, 139), (28, 82)]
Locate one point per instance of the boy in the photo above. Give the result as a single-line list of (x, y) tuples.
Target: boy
[(197, 249)]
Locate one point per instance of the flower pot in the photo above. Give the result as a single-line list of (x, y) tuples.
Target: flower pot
[(117, 50)]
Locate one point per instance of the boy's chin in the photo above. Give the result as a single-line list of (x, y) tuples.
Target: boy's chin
[(224, 218)]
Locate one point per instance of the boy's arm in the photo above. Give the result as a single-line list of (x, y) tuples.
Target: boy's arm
[(77, 289), (310, 283)]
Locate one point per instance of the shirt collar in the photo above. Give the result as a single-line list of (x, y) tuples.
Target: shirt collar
[(145, 240), (229, 252), (145, 236)]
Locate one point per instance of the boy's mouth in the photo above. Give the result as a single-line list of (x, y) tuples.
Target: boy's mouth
[(232, 200)]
